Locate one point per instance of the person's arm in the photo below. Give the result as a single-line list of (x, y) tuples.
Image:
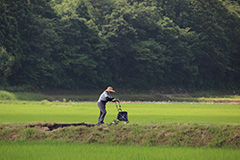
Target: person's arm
[(115, 100), (109, 98)]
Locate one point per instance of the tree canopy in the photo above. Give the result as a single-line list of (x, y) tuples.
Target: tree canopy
[(144, 44)]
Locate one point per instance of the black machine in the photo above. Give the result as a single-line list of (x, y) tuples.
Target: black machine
[(122, 115)]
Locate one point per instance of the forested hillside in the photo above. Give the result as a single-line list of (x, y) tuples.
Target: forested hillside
[(144, 44)]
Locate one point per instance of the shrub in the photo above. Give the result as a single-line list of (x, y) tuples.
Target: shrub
[(26, 96), (4, 95), (6, 63)]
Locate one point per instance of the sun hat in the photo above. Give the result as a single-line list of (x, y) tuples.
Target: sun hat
[(110, 89)]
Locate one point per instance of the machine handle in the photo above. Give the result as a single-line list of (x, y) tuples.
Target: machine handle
[(118, 106)]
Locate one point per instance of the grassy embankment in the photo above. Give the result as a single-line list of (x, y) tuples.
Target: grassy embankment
[(173, 134)]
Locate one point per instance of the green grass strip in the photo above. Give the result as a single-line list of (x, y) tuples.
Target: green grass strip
[(45, 111), (72, 151)]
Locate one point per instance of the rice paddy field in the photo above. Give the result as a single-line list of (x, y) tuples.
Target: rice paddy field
[(44, 111), (73, 151), (141, 115)]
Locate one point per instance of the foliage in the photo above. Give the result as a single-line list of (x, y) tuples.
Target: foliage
[(233, 6), (10, 37), (127, 43), (6, 63), (29, 96), (4, 95)]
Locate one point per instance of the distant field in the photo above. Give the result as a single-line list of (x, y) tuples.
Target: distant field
[(73, 151), (44, 111)]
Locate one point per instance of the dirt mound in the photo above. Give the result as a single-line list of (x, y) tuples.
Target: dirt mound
[(53, 126)]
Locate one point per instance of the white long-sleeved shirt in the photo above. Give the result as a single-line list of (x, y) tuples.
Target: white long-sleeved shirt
[(104, 95)]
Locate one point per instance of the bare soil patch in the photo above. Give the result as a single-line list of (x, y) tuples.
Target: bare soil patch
[(52, 126)]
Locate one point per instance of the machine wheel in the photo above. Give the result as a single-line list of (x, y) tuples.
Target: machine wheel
[(115, 122)]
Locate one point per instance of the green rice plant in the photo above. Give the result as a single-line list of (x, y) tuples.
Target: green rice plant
[(151, 125), (139, 113), (67, 150)]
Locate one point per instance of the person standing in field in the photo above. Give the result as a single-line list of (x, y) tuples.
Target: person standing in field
[(103, 99)]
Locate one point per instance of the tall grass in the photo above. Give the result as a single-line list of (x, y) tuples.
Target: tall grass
[(72, 151)]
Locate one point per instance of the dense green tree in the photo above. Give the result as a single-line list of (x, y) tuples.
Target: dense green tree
[(10, 37), (40, 42), (99, 11), (192, 44), (6, 63), (150, 49), (82, 47)]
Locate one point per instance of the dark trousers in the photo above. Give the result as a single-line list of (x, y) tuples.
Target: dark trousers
[(103, 112)]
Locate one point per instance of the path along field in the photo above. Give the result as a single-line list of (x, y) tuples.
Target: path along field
[(143, 114)]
